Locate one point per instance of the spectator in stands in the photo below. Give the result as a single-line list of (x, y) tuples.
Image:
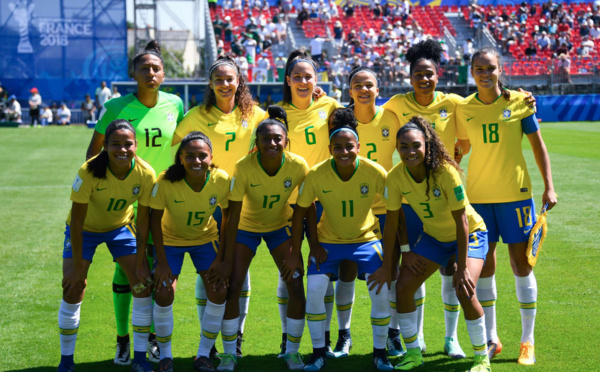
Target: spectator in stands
[(303, 14), (88, 109), (377, 9), (35, 104), (227, 4), (218, 26), (63, 115), (263, 64), (314, 10), (237, 4), (316, 48), (242, 63), (236, 47), (587, 46), (338, 35), (349, 9), (220, 45), (563, 66), (584, 29), (46, 115), (13, 109), (212, 5), (281, 31), (115, 92), (468, 49), (552, 28), (228, 30), (543, 41), (193, 102), (250, 45), (333, 9), (563, 27), (405, 9), (531, 50), (336, 93), (288, 6), (280, 61), (103, 94), (595, 32)]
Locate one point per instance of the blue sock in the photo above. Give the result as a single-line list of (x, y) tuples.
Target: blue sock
[(67, 360), (139, 356)]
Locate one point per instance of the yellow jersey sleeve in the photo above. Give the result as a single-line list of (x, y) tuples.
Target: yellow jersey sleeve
[(265, 198), (230, 134), (187, 218), (110, 201), (497, 170), (392, 193), (347, 214)]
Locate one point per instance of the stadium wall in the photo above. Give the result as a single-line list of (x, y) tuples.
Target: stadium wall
[(65, 48)]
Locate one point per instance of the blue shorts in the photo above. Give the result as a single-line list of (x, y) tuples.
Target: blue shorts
[(382, 218), (440, 253), (202, 256), (368, 256), (120, 242), (414, 226), (273, 239), (512, 221)]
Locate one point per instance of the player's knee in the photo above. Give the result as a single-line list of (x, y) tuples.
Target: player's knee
[(296, 289), (218, 295), (163, 297), (521, 268), (405, 291)]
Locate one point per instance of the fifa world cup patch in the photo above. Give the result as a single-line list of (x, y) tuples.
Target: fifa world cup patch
[(459, 192), (232, 183), (154, 190), (77, 183)]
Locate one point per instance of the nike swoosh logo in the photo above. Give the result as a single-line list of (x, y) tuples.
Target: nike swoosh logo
[(211, 124), (403, 114), (253, 185), (97, 189), (470, 118), (132, 120), (406, 193), (179, 201), (326, 191)]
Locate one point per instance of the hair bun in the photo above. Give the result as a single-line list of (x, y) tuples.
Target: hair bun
[(153, 45), (276, 112)]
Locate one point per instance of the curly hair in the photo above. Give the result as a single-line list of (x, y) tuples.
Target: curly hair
[(176, 172), (492, 51), (436, 155), (429, 50), (294, 57), (343, 119), (153, 47), (243, 97)]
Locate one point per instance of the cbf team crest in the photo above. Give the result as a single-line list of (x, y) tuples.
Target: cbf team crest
[(136, 190), (364, 189), (245, 124), (212, 200), (287, 182), (506, 113), (443, 113), (437, 193), (170, 118), (322, 115), (385, 132)]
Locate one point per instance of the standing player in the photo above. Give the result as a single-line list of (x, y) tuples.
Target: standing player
[(103, 194), (183, 202), (308, 136), (155, 116), (228, 117), (493, 121), (428, 178), (346, 185), (262, 183)]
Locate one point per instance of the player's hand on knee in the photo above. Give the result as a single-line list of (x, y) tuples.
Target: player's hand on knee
[(74, 283), (291, 266), (413, 262), (463, 284), (163, 277), (379, 278), (218, 274), (317, 255)]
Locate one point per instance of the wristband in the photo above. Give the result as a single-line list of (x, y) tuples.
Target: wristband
[(405, 248)]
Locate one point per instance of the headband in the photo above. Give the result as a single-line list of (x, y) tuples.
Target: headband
[(360, 69), (289, 71), (221, 62), (341, 130)]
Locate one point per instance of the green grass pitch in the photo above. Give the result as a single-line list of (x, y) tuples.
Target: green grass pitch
[(38, 166)]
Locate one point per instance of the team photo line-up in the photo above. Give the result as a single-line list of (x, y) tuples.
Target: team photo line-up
[(307, 168)]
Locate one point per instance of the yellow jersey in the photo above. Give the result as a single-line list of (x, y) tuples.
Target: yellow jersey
[(446, 194), (347, 214), (378, 143), (231, 136), (441, 113), (497, 171), (265, 205), (187, 218), (110, 201)]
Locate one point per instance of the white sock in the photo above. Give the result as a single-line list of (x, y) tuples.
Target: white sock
[(244, 301), (393, 313), (282, 303), (487, 295), (68, 325), (200, 298), (380, 316), (316, 286), (229, 329), (420, 303), (294, 335), (329, 297), (141, 320), (163, 324), (409, 329), (344, 299), (477, 334), (451, 306), (211, 325), (527, 296)]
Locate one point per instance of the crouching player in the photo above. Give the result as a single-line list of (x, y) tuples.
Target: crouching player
[(429, 179), (103, 194)]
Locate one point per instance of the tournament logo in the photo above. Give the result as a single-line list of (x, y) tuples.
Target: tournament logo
[(385, 131), (170, 118), (212, 200), (443, 113), (287, 182), (322, 115), (244, 124), (136, 190), (364, 188), (506, 113)]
